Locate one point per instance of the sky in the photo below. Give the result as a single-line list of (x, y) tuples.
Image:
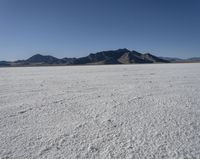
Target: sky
[(75, 28)]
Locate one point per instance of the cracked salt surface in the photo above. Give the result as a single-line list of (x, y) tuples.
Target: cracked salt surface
[(113, 111)]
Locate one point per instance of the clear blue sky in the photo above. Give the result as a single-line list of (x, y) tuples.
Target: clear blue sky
[(74, 28)]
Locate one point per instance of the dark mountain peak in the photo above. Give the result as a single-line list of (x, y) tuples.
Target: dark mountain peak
[(133, 51), (38, 55), (148, 54), (112, 51), (42, 56), (124, 50), (38, 58)]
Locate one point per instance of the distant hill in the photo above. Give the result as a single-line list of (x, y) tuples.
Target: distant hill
[(171, 59), (4, 63), (120, 56), (179, 60), (194, 59), (42, 59)]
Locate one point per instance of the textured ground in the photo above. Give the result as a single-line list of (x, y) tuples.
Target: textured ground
[(118, 111)]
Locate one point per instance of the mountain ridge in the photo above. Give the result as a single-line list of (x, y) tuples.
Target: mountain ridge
[(120, 56), (181, 60)]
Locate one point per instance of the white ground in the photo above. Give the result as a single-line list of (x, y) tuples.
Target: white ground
[(118, 111)]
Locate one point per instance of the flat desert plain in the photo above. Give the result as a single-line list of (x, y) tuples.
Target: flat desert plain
[(112, 111)]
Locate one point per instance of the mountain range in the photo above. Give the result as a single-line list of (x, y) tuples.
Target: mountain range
[(179, 60), (120, 56)]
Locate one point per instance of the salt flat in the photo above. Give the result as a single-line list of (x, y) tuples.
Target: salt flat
[(113, 111)]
